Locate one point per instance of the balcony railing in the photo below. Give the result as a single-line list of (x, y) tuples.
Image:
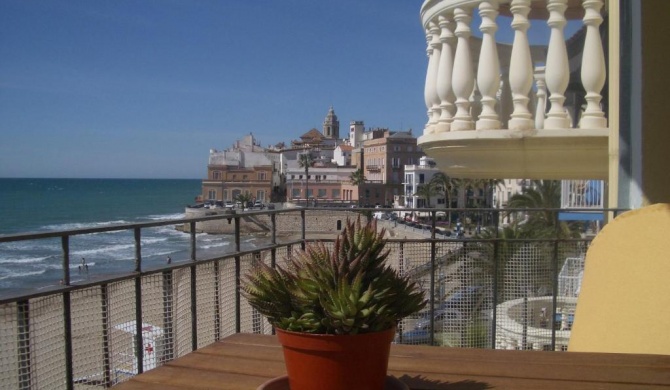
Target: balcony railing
[(517, 110), (484, 291)]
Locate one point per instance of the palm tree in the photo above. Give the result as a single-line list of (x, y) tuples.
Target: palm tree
[(426, 191), (306, 160), (445, 185), (543, 194), (244, 199), (357, 177)]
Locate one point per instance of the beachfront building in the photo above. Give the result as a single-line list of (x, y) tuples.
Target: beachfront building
[(587, 109), (384, 156), (325, 184), (417, 176), (243, 169)]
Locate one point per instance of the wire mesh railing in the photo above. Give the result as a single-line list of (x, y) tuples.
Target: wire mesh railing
[(490, 283)]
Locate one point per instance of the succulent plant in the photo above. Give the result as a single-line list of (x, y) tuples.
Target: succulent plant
[(348, 290)]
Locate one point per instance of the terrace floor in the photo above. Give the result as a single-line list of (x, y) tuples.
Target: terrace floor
[(245, 361)]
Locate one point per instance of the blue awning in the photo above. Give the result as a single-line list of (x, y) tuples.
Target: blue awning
[(580, 216)]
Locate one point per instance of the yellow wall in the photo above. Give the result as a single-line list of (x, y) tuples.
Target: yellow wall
[(624, 302)]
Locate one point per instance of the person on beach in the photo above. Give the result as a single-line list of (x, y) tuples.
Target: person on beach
[(169, 260)]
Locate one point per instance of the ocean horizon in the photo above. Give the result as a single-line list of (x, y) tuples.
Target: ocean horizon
[(39, 205)]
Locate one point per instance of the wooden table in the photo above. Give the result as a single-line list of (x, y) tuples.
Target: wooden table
[(244, 361)]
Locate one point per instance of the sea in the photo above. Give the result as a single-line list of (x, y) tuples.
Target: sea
[(42, 205)]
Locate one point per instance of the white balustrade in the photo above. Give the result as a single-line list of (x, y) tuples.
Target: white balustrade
[(541, 94), (452, 79), (445, 73), (463, 80), (594, 71), (488, 75), (557, 69), (521, 67), (430, 90)]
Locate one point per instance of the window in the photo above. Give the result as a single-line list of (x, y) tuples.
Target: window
[(225, 194), (336, 193), (244, 177), (260, 195), (217, 175), (211, 194), (234, 177), (421, 178), (261, 175), (295, 193), (322, 193), (310, 193)]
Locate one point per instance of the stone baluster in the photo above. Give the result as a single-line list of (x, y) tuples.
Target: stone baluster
[(541, 97), (521, 67), (445, 73), (463, 80), (594, 71), (430, 91), (557, 71), (488, 76)]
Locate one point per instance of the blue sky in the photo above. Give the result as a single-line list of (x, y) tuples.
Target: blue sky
[(145, 88)]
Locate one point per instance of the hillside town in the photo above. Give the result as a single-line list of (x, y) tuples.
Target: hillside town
[(366, 167)]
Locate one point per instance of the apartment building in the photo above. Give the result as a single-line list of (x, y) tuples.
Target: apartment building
[(385, 154), (242, 169)]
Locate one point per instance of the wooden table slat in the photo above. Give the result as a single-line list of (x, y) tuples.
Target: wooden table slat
[(244, 361)]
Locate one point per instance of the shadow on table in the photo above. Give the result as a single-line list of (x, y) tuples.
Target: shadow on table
[(421, 383)]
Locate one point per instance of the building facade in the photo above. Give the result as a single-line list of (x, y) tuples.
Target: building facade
[(385, 154), (244, 169)]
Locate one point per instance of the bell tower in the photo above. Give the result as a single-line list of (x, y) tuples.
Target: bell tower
[(331, 126)]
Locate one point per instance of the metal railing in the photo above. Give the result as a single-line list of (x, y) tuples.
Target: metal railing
[(101, 331)]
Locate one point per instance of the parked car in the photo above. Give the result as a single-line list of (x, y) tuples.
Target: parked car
[(229, 204), (466, 299), (259, 205), (414, 336), (447, 319)]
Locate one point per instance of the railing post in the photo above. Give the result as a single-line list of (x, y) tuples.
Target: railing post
[(302, 236), (594, 71), (23, 344), (401, 271), (496, 261), (67, 314), (557, 70), (430, 89), (139, 342), (168, 320), (194, 291), (432, 281), (445, 73), (521, 67), (106, 359), (217, 302), (463, 78), (238, 303), (488, 75), (554, 266)]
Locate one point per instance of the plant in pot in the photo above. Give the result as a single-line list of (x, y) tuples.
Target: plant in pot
[(335, 311)]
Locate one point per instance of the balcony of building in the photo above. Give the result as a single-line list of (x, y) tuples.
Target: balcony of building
[(498, 293), (499, 107)]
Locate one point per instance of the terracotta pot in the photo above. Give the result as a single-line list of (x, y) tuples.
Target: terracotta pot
[(336, 362)]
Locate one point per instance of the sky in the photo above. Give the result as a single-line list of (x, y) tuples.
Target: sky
[(144, 89)]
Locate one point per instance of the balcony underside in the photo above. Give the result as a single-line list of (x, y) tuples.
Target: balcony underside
[(532, 154)]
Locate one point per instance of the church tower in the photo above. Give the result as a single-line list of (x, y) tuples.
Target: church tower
[(331, 126)]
